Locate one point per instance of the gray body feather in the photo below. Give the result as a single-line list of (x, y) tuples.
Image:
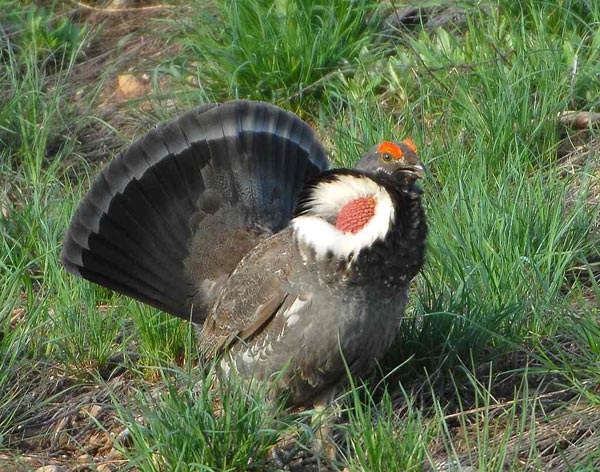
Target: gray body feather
[(317, 321), (309, 320)]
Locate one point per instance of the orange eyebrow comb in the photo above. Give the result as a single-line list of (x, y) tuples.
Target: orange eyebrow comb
[(411, 144), (387, 147)]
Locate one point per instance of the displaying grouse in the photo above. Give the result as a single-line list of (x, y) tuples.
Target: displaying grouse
[(227, 217)]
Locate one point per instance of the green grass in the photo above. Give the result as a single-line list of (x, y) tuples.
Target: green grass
[(381, 437), (204, 423), (491, 433), (283, 51), (511, 273), (502, 239)]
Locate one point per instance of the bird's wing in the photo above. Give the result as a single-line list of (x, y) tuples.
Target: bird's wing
[(252, 298), (169, 218)]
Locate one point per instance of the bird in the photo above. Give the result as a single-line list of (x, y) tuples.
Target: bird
[(229, 217)]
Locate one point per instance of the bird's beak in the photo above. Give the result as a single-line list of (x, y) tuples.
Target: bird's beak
[(417, 171)]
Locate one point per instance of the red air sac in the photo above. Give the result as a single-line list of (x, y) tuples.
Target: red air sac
[(354, 215)]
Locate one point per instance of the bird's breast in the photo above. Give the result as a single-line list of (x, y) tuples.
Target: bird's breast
[(319, 336)]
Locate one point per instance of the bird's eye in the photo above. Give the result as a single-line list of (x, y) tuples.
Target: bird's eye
[(386, 157)]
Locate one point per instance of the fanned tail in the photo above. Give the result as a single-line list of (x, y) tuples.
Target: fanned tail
[(169, 218)]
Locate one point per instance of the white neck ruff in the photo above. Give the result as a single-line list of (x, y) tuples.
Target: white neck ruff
[(314, 229)]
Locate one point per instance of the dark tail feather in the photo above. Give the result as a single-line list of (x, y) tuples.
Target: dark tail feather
[(211, 179)]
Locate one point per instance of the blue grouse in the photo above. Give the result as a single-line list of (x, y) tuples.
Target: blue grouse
[(227, 217)]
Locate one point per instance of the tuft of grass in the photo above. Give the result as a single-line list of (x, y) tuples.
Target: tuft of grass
[(209, 424), (56, 39), (574, 354), (382, 437), (488, 434), (161, 339), (282, 51), (34, 118)]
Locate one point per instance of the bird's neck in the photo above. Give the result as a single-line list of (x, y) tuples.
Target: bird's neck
[(389, 260), (395, 260)]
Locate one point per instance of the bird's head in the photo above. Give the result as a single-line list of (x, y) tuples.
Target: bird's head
[(397, 160), (375, 207)]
